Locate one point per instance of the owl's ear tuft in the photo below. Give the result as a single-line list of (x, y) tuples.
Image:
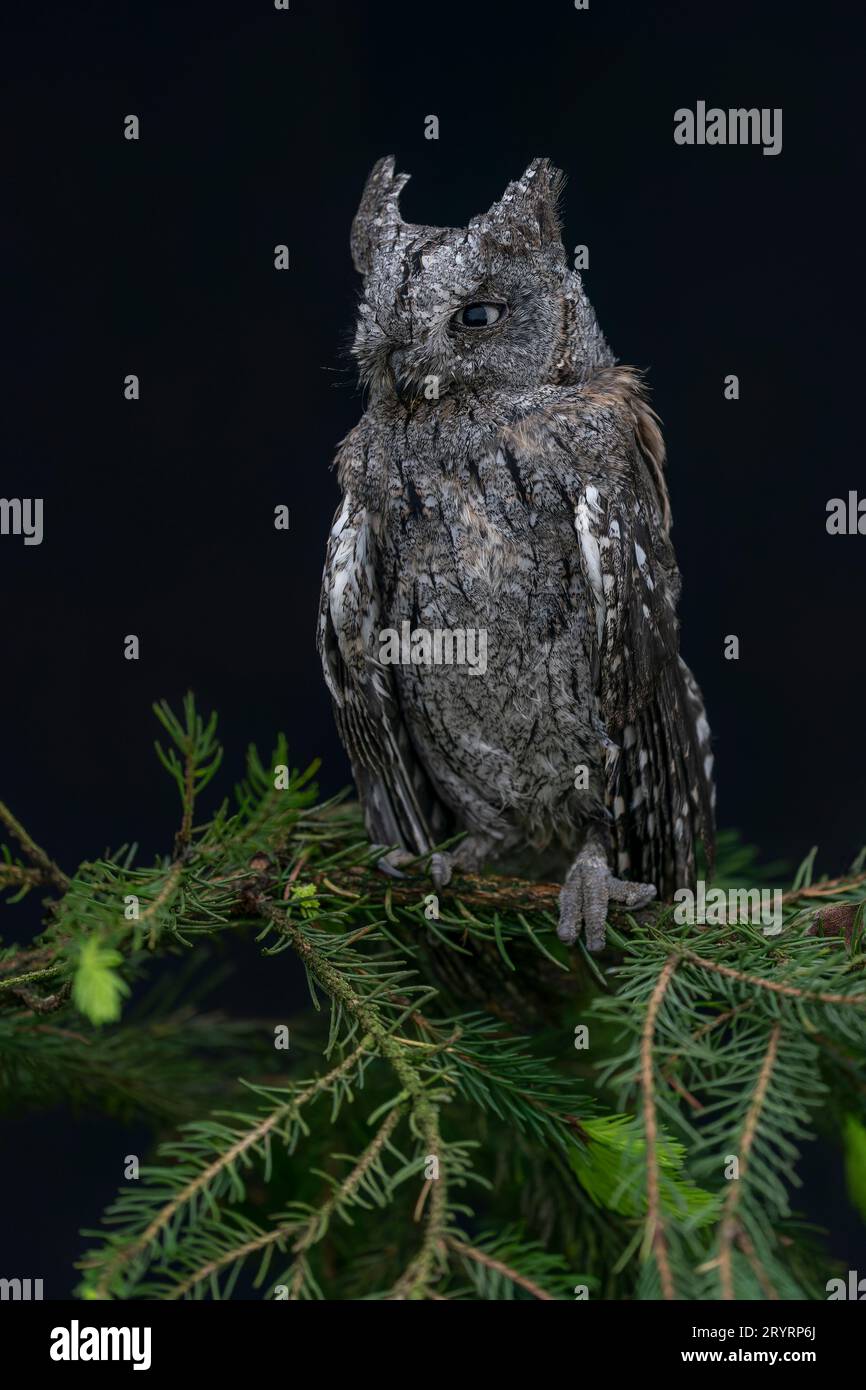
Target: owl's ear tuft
[(378, 216), (531, 203)]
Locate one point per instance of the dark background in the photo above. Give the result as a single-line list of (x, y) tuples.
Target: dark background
[(156, 258)]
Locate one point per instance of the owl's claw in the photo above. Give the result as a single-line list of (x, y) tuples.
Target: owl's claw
[(586, 893), (390, 863), (441, 865)]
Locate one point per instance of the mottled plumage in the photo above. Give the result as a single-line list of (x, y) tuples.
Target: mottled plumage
[(527, 499)]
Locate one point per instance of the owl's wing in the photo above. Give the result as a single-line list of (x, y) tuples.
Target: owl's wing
[(658, 764), (659, 788), (399, 805)]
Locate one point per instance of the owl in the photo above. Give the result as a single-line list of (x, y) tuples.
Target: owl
[(498, 625)]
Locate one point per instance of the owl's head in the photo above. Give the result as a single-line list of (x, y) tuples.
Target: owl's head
[(490, 305)]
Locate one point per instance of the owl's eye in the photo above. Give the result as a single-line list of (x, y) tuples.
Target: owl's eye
[(480, 315)]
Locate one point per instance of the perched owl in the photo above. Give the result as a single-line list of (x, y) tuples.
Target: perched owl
[(504, 494)]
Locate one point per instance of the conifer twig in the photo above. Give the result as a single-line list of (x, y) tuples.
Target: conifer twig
[(729, 1228), (470, 1252), (843, 884), (414, 1280), (748, 1249), (792, 991), (223, 1161), (51, 872), (654, 1224), (14, 982), (311, 1230), (17, 875)]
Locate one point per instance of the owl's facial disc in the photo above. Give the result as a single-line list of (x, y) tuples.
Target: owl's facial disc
[(493, 305)]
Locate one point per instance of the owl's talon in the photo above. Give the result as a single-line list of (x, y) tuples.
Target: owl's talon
[(440, 865), (586, 894), (389, 863), (440, 869)]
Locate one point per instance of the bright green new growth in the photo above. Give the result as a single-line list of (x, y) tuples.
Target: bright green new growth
[(97, 989), (434, 1132)]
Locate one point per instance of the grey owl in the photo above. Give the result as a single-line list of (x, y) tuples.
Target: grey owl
[(505, 491)]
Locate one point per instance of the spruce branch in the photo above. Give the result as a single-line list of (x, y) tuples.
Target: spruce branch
[(49, 871), (203, 1184), (729, 1230), (303, 1234), (200, 758), (705, 1042), (471, 1252), (776, 986), (14, 875), (746, 1245), (17, 982), (425, 1112), (655, 1239)]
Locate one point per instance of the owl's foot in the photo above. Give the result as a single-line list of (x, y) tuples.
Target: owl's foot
[(467, 858), (586, 893), (393, 863), (472, 853), (441, 868)]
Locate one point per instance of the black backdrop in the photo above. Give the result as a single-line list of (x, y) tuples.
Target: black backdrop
[(258, 127)]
